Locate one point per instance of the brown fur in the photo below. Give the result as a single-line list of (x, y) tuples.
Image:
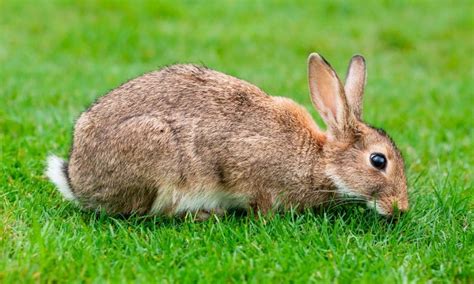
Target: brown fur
[(191, 129)]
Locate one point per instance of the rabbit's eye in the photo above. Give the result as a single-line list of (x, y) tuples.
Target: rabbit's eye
[(378, 160)]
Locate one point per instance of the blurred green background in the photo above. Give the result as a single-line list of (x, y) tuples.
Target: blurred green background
[(56, 57)]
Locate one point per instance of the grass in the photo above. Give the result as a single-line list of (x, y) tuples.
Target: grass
[(56, 57)]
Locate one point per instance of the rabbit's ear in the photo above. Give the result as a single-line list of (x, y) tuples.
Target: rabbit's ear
[(355, 83), (327, 94)]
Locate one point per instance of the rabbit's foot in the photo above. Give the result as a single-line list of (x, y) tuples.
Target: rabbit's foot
[(203, 215)]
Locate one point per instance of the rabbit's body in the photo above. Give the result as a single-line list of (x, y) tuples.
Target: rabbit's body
[(190, 139)]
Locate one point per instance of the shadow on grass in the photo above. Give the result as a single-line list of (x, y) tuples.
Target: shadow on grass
[(355, 217)]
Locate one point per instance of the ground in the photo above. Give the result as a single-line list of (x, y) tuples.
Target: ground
[(56, 57)]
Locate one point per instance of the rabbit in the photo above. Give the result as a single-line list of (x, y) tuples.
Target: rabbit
[(188, 139)]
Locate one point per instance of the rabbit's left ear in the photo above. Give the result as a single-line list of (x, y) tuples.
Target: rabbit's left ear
[(355, 83), (327, 94)]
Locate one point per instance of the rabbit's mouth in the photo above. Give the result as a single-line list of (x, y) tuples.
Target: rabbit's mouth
[(389, 206), (372, 199)]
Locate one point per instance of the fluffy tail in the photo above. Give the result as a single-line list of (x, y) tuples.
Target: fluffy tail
[(57, 172)]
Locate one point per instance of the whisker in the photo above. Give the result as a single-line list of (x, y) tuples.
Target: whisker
[(335, 191), (340, 202), (340, 205)]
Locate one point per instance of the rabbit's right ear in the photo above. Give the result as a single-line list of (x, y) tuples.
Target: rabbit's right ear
[(355, 83), (327, 94)]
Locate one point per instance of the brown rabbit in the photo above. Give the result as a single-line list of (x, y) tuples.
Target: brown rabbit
[(190, 139)]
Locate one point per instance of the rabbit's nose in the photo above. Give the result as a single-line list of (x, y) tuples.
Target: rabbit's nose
[(399, 207)]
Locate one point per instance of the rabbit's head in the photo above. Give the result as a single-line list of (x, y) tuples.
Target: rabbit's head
[(362, 161)]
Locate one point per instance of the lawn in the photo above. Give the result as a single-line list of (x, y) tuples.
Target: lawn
[(56, 57)]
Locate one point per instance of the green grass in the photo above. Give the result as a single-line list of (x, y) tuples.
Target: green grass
[(56, 57)]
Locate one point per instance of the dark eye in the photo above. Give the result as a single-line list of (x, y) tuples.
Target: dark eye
[(378, 160)]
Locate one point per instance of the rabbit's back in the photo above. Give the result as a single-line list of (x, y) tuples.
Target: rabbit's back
[(184, 137)]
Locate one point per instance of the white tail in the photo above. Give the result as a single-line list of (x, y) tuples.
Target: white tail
[(56, 172)]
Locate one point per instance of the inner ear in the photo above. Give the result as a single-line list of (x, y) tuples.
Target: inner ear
[(328, 86), (327, 94), (355, 84)]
